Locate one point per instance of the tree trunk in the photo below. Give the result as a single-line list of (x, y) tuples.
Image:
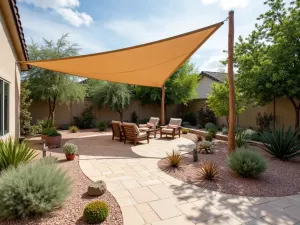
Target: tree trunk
[(297, 109), (121, 115), (274, 113)]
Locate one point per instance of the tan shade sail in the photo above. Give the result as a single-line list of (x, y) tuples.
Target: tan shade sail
[(149, 64)]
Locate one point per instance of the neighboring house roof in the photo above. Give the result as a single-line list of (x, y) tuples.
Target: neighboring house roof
[(217, 76), (12, 19)]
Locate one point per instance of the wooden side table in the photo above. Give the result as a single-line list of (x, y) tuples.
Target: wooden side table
[(153, 131)]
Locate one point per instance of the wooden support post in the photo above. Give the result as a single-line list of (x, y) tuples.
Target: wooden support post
[(163, 105), (231, 131)]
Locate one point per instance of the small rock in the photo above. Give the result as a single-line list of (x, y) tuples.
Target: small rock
[(97, 188)]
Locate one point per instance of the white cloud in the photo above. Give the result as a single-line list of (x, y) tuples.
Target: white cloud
[(213, 64), (65, 8), (227, 4)]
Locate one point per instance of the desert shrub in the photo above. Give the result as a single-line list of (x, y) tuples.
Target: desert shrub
[(184, 130), (70, 148), (241, 139), (45, 123), (251, 135), (101, 125), (86, 119), (210, 125), (206, 115), (134, 117), (208, 171), (225, 130), (208, 137), (73, 129), (33, 189), (174, 159), (12, 153), (190, 117), (95, 212), (263, 121), (35, 129), (205, 147), (195, 155), (212, 131), (246, 163), (282, 144)]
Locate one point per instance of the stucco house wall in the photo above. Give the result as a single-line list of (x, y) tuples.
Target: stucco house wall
[(204, 87)]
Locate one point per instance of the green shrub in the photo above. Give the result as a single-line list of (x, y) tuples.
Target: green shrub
[(186, 124), (281, 144), (101, 125), (33, 189), (45, 123), (241, 139), (134, 117), (190, 117), (263, 121), (53, 132), (184, 130), (47, 130), (212, 131), (70, 148), (35, 129), (210, 125), (224, 130), (247, 163), (208, 137), (95, 212), (12, 153), (73, 129), (251, 135), (206, 115), (86, 119)]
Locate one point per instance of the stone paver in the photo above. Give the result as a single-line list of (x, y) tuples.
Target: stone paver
[(147, 195)]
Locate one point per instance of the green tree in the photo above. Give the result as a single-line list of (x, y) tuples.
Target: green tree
[(268, 60), (180, 87), (218, 100), (115, 96), (25, 102), (53, 87)]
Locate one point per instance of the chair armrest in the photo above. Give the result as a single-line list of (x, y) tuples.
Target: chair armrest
[(142, 125)]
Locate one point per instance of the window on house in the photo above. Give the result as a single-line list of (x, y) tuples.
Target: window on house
[(4, 107)]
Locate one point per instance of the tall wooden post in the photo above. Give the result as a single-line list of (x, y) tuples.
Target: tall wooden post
[(163, 105), (231, 131)]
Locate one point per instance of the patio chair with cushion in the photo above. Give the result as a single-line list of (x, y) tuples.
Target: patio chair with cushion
[(153, 123), (172, 129), (117, 130), (132, 133)]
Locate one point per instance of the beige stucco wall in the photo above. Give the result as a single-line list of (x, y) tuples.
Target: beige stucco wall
[(64, 114), (11, 73)]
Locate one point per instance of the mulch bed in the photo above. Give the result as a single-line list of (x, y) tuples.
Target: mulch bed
[(72, 210), (280, 178)]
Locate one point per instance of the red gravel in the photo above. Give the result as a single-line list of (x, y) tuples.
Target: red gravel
[(280, 178), (72, 210)]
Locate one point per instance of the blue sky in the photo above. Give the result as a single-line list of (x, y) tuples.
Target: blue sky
[(102, 25)]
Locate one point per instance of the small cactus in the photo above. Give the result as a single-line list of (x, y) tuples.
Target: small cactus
[(195, 155)]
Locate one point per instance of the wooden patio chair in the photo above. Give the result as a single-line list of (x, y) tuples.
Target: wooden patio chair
[(173, 128), (153, 123), (117, 130), (132, 133)]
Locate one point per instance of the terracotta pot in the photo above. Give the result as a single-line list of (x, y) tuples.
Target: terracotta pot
[(43, 137), (53, 141), (70, 157)]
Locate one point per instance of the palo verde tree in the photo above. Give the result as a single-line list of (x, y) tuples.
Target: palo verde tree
[(115, 96), (268, 60), (53, 87), (218, 100), (180, 87)]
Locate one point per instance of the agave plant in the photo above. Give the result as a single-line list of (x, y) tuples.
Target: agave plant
[(205, 147), (12, 153), (241, 139), (208, 171), (174, 159), (282, 144)]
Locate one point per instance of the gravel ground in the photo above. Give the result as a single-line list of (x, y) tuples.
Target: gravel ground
[(72, 210), (280, 178)]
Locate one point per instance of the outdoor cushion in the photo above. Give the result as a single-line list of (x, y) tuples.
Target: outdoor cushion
[(174, 121), (172, 126), (150, 125), (141, 135), (154, 120), (167, 130), (134, 125), (144, 128)]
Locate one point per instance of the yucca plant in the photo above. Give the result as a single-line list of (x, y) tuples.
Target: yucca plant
[(208, 171), (73, 129), (12, 153), (205, 147), (174, 159), (241, 139), (282, 144)]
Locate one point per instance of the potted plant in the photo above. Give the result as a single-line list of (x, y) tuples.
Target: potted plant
[(53, 138), (70, 151), (45, 132)]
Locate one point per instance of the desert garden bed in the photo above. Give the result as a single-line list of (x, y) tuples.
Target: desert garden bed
[(72, 210), (279, 179)]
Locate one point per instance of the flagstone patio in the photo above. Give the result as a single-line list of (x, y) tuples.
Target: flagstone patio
[(147, 195)]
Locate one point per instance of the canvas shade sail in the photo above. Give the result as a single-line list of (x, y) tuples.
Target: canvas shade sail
[(149, 64)]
